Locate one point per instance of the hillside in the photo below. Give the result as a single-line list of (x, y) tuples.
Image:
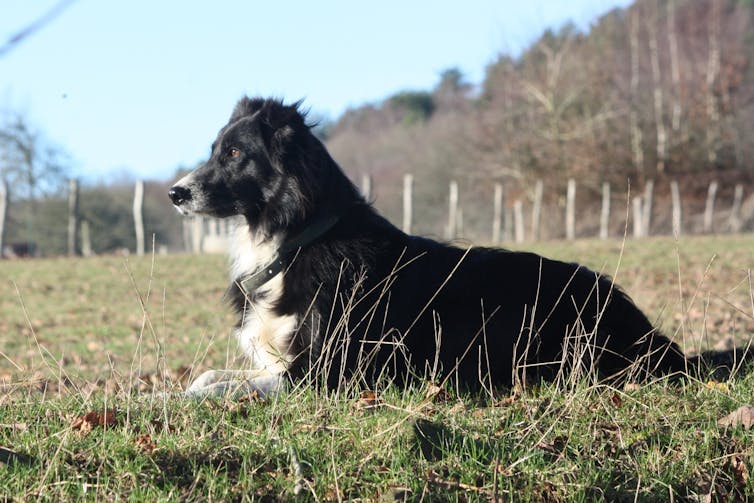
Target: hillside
[(663, 89)]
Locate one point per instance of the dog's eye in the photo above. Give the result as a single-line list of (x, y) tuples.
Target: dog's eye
[(234, 153)]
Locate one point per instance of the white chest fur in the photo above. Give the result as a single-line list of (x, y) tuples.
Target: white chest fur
[(263, 335)]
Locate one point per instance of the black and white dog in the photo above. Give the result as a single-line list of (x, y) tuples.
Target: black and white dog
[(327, 288)]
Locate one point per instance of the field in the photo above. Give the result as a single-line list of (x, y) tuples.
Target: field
[(85, 344)]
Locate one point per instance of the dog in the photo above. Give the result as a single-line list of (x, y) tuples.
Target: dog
[(327, 289)]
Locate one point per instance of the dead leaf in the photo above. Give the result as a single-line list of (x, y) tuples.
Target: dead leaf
[(617, 400), (740, 470), (144, 442), (631, 386), (81, 425), (91, 419), (106, 418), (742, 416), (367, 400)]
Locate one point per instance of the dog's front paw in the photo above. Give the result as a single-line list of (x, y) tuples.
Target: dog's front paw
[(234, 384), (206, 380)]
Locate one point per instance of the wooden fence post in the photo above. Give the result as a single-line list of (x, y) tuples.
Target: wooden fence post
[(605, 213), (366, 187), (518, 215), (675, 195), (734, 221), (709, 207), (536, 211), (638, 220), (452, 228), (497, 214), (408, 188), (86, 239), (73, 216), (138, 216), (571, 209), (3, 212), (197, 234), (646, 208), (186, 228)]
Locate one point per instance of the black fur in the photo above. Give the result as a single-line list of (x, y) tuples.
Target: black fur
[(371, 300)]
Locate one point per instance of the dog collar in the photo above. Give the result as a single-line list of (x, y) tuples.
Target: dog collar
[(252, 282)]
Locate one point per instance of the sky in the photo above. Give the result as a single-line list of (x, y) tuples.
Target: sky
[(140, 88)]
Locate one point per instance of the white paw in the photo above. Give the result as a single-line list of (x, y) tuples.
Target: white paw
[(234, 384), (208, 378)]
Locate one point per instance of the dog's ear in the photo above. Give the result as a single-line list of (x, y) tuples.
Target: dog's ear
[(246, 106), (279, 123)]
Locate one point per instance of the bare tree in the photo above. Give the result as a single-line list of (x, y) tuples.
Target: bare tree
[(713, 72), (657, 94), (636, 135), (675, 72), (30, 163), (553, 100)]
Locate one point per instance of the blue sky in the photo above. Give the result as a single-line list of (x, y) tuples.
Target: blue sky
[(142, 87)]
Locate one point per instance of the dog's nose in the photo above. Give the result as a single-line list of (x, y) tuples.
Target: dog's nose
[(179, 195)]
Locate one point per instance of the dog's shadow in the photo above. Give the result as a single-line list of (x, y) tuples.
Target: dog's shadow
[(721, 365), (435, 440)]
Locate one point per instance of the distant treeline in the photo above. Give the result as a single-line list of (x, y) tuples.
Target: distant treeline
[(664, 88)]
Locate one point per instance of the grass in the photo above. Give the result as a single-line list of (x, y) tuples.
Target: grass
[(80, 337)]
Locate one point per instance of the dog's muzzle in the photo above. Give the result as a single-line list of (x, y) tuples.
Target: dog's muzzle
[(179, 195)]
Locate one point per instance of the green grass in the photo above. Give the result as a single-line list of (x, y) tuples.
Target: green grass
[(79, 336)]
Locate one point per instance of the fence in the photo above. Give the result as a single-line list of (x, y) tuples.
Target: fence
[(508, 222)]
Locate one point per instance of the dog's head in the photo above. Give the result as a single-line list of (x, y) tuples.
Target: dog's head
[(263, 166)]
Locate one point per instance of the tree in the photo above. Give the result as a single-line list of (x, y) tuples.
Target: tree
[(412, 106), (29, 162), (451, 92), (30, 165)]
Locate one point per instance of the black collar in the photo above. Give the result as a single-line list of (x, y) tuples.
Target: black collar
[(249, 283)]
